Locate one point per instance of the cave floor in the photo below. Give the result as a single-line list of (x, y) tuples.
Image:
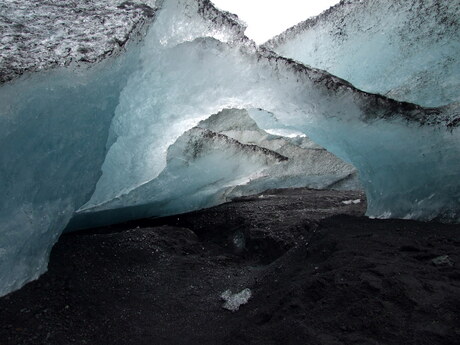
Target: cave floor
[(319, 271)]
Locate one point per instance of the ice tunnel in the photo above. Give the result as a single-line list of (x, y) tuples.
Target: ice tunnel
[(80, 142)]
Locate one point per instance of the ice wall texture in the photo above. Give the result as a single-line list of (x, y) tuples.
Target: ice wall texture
[(407, 50), (62, 129)]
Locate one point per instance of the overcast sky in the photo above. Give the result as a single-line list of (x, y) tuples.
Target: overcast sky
[(267, 18)]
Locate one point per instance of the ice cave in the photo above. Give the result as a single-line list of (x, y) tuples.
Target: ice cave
[(189, 111)]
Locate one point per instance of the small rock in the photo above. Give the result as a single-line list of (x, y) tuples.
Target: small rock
[(234, 301), (442, 260), (238, 242)]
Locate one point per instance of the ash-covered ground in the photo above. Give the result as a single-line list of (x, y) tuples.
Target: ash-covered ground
[(319, 272)]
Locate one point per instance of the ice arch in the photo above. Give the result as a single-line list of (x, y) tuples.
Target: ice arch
[(400, 149), (223, 157), (58, 128)]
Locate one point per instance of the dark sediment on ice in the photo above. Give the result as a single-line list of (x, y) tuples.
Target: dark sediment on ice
[(319, 271), (40, 35)]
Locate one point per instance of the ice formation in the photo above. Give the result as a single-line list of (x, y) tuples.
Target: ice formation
[(94, 135), (407, 50), (224, 156), (53, 134)]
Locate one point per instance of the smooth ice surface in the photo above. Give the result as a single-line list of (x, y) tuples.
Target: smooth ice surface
[(62, 129), (53, 132), (407, 50)]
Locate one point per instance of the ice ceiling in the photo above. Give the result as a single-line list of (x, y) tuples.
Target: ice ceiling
[(74, 140)]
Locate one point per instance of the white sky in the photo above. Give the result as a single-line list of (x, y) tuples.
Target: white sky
[(267, 18)]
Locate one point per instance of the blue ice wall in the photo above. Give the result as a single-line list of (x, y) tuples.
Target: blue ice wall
[(53, 135)]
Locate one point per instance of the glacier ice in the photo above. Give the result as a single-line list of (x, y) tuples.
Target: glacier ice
[(407, 50), (54, 129), (223, 157), (208, 75), (94, 135), (307, 163), (200, 164)]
